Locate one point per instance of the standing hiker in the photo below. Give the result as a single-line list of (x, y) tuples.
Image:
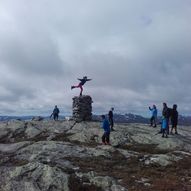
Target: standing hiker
[(153, 116), (166, 112), (80, 85), (55, 113), (106, 128), (174, 119), (110, 114)]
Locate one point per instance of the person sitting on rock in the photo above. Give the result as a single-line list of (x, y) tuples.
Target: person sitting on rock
[(153, 116), (174, 119), (55, 113), (80, 85), (106, 128)]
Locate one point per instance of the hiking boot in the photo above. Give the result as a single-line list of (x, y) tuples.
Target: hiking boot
[(162, 136), (166, 136), (72, 87), (176, 133)]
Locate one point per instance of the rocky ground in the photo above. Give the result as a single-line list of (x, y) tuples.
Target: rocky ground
[(65, 155)]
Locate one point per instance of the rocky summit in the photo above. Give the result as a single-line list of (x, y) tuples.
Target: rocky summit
[(68, 156)]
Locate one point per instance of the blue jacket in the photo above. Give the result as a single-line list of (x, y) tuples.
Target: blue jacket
[(153, 112), (164, 123), (105, 125)]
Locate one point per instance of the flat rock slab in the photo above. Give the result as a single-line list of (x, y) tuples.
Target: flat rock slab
[(12, 148)]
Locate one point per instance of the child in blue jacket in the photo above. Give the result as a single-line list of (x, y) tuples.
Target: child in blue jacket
[(164, 127), (106, 128)]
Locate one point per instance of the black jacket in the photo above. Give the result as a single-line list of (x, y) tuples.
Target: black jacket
[(56, 111), (174, 116), (110, 114), (166, 112), (83, 81)]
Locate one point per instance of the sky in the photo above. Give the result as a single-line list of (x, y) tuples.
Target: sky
[(137, 53)]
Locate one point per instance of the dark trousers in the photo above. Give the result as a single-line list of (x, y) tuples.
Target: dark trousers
[(105, 137), (55, 116), (167, 126), (111, 123), (153, 121), (174, 126)]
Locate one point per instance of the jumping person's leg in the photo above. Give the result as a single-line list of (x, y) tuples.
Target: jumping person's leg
[(80, 86)]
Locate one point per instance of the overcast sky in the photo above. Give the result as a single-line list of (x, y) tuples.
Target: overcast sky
[(138, 53)]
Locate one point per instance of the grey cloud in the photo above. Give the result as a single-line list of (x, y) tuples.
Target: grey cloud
[(14, 92), (37, 56), (137, 53)]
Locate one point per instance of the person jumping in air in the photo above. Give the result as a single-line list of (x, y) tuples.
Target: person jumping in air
[(80, 85)]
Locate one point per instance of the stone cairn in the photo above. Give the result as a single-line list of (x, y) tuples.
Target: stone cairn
[(82, 108)]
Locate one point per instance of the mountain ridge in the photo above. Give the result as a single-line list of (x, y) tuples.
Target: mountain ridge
[(118, 118)]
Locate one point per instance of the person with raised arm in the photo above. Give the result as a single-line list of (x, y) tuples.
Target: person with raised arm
[(80, 85)]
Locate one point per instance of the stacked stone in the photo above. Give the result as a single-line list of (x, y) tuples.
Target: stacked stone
[(82, 108)]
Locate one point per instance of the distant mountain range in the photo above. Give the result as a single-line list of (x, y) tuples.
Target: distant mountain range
[(132, 118), (118, 118), (24, 118)]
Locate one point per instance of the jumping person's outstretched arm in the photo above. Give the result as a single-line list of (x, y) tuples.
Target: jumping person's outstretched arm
[(88, 79)]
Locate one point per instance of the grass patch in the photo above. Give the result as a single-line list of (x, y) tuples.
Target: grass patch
[(174, 177), (144, 148), (81, 184)]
